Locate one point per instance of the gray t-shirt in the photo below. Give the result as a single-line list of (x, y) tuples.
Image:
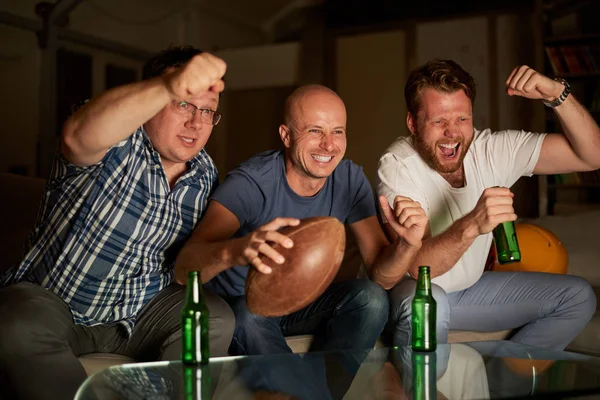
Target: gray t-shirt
[(257, 192)]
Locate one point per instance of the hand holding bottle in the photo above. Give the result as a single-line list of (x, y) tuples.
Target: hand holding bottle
[(494, 207)]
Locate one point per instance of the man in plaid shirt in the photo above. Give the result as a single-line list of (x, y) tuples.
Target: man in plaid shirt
[(130, 183)]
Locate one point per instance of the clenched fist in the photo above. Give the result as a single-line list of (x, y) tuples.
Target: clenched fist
[(494, 207), (201, 73), (407, 218), (527, 82)]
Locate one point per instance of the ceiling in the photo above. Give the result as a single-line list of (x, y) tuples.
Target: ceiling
[(260, 14), (264, 14)]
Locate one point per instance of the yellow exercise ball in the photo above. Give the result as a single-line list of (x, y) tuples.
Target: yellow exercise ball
[(541, 251)]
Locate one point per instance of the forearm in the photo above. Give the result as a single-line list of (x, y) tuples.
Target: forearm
[(392, 263), (110, 118), (581, 130), (443, 251), (208, 258)]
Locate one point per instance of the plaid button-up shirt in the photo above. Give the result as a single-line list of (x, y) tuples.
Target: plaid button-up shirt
[(107, 235)]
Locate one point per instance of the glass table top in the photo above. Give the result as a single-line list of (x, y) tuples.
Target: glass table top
[(479, 370)]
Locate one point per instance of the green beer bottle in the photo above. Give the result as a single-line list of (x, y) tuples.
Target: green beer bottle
[(194, 323), (196, 382), (505, 240), (423, 314), (424, 379)]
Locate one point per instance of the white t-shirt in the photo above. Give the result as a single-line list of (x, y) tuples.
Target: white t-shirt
[(494, 159)]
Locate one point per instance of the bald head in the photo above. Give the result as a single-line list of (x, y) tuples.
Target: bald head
[(307, 96), (314, 135)]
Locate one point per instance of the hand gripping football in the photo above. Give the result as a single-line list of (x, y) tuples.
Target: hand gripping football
[(309, 268)]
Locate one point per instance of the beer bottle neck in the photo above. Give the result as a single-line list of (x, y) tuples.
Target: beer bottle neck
[(424, 284), (194, 287)]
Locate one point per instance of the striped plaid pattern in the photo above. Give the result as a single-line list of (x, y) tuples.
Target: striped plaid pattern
[(107, 235)]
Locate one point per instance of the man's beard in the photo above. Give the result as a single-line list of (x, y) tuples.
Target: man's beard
[(429, 155)]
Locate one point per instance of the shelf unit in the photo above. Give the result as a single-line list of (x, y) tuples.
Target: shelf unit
[(570, 47)]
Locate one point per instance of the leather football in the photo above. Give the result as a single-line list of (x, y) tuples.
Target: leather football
[(309, 268)]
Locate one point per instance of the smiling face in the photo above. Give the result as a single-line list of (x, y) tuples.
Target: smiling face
[(178, 137), (443, 129), (314, 136)]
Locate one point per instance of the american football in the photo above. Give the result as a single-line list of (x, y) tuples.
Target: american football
[(309, 268)]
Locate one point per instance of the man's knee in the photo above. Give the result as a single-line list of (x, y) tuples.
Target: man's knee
[(24, 317), (582, 297), (15, 334), (401, 298), (442, 305), (370, 297)]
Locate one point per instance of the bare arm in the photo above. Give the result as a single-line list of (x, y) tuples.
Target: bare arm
[(377, 253), (393, 262), (211, 250), (579, 148), (110, 118), (117, 113), (443, 251), (581, 139), (388, 262)]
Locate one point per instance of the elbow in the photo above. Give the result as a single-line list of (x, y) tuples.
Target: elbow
[(592, 166), (386, 285), (385, 282), (179, 269), (70, 145), (186, 262), (413, 272), (67, 136), (180, 276)]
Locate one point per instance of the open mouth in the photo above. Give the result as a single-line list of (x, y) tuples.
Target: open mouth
[(321, 159), (449, 150), (188, 142)]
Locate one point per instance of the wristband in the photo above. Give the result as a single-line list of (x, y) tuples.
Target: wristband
[(560, 99)]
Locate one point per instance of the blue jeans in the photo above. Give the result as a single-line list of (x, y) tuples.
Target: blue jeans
[(348, 315), (549, 309)]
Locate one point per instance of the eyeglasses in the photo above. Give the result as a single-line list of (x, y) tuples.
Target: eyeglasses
[(207, 115)]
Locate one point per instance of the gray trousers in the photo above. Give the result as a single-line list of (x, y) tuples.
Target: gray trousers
[(549, 309), (39, 343)]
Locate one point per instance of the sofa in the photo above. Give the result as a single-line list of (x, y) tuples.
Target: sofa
[(18, 210)]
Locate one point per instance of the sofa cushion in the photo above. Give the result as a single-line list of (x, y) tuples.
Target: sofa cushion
[(299, 344), (457, 336)]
